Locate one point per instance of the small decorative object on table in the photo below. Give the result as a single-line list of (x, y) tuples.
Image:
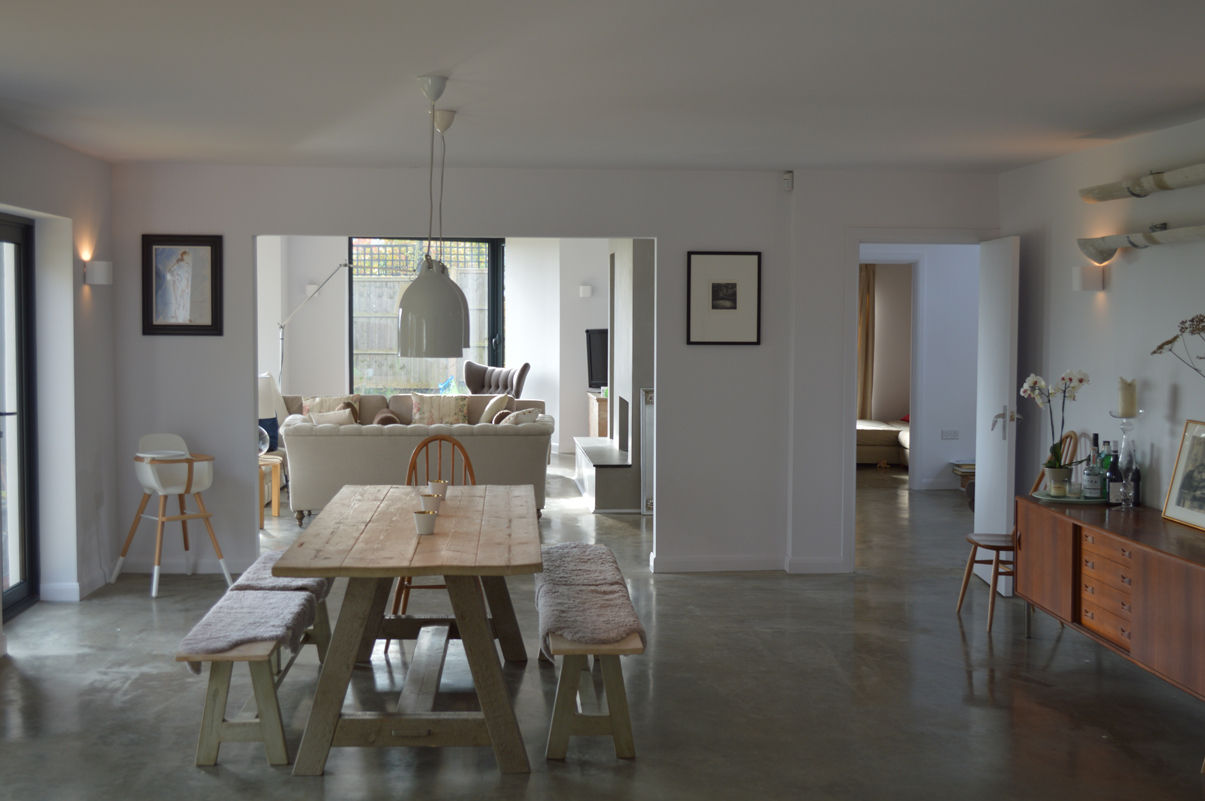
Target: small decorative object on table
[(1058, 471)]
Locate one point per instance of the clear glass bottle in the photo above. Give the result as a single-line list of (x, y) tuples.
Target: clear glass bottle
[(1113, 476)]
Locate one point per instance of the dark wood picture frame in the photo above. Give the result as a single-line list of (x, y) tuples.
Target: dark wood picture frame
[(723, 297), (182, 284)]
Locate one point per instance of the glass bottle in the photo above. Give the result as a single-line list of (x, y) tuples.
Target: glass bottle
[(1092, 478), (1113, 476)]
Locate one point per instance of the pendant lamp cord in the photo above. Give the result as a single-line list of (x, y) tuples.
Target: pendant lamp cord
[(443, 152), (431, 183)]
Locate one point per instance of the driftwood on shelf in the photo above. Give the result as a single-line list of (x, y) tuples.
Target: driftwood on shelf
[(1161, 181), (1102, 248)]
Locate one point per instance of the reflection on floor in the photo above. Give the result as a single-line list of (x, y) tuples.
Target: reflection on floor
[(768, 686)]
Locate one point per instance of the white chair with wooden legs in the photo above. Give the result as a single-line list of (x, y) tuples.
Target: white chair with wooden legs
[(435, 458), (165, 467), (1000, 544)]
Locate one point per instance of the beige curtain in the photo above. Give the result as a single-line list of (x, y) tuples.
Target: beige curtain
[(865, 338)]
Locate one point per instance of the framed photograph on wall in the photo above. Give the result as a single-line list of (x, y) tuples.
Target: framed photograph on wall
[(182, 284), (1185, 501), (723, 298)]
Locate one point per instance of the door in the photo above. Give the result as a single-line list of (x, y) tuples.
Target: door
[(17, 541), (996, 403)]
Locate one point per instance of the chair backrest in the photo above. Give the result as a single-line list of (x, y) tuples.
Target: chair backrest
[(1070, 442), (447, 451), (162, 442), (481, 379), (171, 479)]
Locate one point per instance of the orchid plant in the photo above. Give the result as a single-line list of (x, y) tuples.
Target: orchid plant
[(1044, 396)]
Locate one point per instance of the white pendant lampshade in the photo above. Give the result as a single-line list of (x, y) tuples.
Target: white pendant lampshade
[(432, 319)]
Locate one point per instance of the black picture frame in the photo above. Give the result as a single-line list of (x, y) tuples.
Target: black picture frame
[(723, 297), (181, 285)]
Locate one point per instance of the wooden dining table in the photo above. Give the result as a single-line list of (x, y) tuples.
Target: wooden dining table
[(367, 534)]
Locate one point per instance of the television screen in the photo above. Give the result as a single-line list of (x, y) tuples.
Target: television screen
[(596, 357)]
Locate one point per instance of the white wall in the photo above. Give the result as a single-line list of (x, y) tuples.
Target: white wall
[(1111, 333), (891, 382), (316, 339), (533, 319), (583, 261), (69, 195), (269, 294)]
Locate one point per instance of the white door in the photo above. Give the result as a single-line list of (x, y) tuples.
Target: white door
[(996, 403)]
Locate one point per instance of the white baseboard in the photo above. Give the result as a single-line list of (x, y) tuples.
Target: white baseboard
[(67, 591)]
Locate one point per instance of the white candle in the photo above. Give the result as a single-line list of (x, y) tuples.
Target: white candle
[(1127, 398)]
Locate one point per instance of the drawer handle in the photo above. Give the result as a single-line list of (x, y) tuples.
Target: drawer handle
[(1125, 607), (1088, 563), (1089, 589), (1127, 554), (1125, 633), (1126, 580), (1088, 613), (1089, 538)]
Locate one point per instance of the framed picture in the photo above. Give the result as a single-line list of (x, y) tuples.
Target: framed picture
[(1185, 501), (723, 298), (181, 284)]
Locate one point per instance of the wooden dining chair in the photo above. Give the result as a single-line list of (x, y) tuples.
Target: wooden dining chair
[(1000, 544), (438, 457)]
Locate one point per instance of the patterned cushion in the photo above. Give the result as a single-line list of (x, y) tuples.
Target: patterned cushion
[(524, 416), (329, 403), (432, 409)]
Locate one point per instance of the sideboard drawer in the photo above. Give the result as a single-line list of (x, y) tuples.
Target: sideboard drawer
[(1098, 570), (1111, 599), (1098, 546), (1113, 628)]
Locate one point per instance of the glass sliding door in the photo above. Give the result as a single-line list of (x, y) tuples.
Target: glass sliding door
[(18, 543)]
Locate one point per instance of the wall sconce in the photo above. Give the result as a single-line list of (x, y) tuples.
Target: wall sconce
[(1103, 248), (98, 273), (1088, 278)]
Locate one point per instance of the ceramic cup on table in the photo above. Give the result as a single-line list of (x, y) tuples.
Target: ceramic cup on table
[(437, 487), (430, 501), (424, 522)]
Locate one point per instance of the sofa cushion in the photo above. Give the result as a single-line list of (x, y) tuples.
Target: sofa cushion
[(520, 417), (500, 416), (339, 417), (351, 407), (385, 417), (432, 409), (328, 403), (497, 403)]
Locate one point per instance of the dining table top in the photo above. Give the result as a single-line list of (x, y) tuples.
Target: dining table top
[(369, 531)]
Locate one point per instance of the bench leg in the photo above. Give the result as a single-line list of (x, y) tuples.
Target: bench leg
[(214, 715), (321, 632), (268, 708), (564, 709), (617, 706)]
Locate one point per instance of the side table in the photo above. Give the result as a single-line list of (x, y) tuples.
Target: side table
[(269, 468)]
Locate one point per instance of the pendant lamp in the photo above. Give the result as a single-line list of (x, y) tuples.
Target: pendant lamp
[(433, 314)]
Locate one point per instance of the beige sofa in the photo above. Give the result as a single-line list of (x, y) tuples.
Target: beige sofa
[(323, 458)]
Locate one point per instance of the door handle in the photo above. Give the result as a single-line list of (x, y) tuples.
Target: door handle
[(1005, 415)]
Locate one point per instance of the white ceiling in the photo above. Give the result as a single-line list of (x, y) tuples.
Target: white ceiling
[(959, 84)]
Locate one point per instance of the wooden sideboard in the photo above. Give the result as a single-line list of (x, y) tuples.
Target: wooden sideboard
[(1130, 580)]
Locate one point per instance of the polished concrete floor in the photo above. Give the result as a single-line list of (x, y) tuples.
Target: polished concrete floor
[(754, 686)]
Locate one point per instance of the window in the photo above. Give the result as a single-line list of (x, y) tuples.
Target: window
[(381, 270)]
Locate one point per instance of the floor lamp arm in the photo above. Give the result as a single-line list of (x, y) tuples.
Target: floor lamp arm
[(281, 325)]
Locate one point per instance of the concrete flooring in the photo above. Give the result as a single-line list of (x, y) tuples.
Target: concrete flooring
[(754, 686)]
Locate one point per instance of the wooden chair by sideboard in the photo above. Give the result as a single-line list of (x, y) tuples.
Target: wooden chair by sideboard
[(1001, 544), (435, 458)]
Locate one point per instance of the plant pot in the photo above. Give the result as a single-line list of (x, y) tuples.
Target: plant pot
[(1057, 479)]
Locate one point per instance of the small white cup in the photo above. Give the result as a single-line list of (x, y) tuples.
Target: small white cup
[(438, 487), (424, 522), (430, 501)]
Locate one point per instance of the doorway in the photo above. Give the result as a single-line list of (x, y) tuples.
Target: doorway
[(18, 528)]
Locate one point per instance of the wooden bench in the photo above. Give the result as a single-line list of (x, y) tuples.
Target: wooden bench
[(259, 577), (586, 578), (248, 626)]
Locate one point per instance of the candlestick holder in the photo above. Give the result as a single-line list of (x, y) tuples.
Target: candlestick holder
[(1127, 456)]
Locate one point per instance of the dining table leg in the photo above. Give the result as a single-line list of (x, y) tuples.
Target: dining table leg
[(478, 641), (502, 611), (341, 654)]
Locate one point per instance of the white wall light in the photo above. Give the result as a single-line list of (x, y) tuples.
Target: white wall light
[(585, 291), (98, 273)]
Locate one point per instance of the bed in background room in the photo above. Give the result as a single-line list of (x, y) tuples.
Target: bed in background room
[(880, 442)]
